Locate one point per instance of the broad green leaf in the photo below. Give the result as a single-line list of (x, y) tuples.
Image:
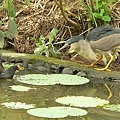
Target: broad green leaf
[(82, 101), (12, 28), (97, 6), (97, 15), (104, 3), (10, 8), (7, 34), (89, 19), (1, 39), (40, 49), (52, 79), (52, 51), (112, 107), (106, 18), (56, 112), (52, 35), (42, 39), (18, 105), (47, 53), (102, 11)]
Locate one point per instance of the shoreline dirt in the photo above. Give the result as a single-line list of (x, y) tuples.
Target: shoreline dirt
[(53, 65)]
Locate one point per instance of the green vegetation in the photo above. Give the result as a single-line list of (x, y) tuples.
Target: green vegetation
[(69, 17), (10, 33), (10, 8), (12, 26), (99, 11), (46, 48)]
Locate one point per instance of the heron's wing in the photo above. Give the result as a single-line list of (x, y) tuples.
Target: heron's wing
[(106, 43), (101, 32)]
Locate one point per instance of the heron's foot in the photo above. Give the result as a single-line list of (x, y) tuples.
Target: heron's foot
[(110, 95), (72, 59), (103, 69), (110, 92), (91, 65)]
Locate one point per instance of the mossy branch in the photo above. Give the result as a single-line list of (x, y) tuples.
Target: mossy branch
[(64, 15)]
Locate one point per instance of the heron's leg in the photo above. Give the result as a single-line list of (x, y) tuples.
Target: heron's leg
[(106, 67), (73, 58), (91, 65), (110, 92)]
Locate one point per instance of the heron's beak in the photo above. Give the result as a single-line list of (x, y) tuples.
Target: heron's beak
[(63, 47)]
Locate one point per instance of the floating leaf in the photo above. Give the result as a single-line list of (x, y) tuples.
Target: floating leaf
[(56, 112), (52, 79), (18, 105), (112, 107), (20, 88), (82, 101)]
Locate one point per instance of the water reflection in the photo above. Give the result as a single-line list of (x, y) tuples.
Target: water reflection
[(44, 96)]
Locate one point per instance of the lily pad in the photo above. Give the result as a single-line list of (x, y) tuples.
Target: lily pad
[(112, 107), (52, 79), (18, 105), (56, 112), (82, 101), (20, 88)]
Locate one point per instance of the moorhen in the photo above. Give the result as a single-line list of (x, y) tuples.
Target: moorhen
[(8, 74)]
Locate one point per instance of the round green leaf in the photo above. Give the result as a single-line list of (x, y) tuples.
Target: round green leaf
[(52, 79), (18, 105), (97, 15), (56, 112), (82, 101), (112, 107), (20, 88), (106, 18)]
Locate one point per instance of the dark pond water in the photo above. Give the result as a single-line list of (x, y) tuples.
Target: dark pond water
[(44, 96)]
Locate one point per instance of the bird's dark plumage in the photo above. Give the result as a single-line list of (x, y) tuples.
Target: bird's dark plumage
[(8, 74), (101, 32)]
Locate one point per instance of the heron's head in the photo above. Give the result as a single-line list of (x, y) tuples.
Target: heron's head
[(72, 41)]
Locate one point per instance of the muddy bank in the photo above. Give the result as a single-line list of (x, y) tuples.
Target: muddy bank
[(52, 65)]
